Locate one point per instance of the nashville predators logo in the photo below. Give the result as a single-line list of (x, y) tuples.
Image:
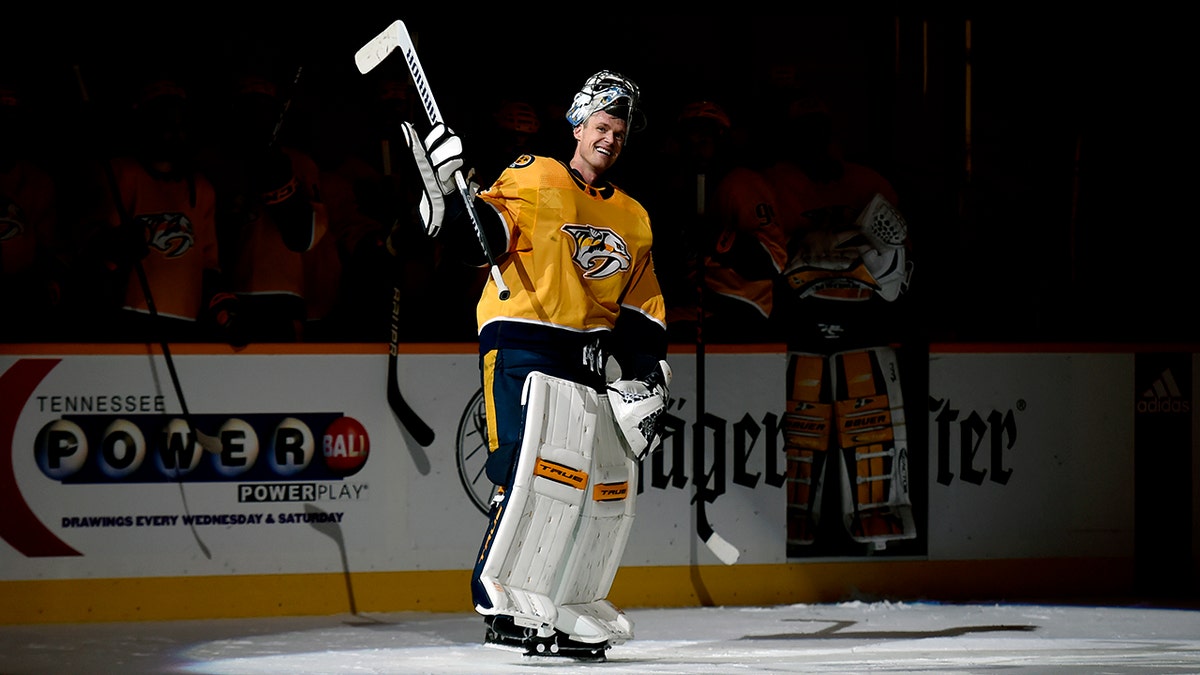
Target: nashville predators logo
[(599, 252), (12, 219), (171, 233)]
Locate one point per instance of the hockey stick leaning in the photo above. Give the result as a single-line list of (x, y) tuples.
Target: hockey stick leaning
[(726, 552), (372, 54), (421, 432)]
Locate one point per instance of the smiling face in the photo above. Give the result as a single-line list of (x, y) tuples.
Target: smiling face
[(598, 143)]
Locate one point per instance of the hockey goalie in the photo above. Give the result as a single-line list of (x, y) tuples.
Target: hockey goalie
[(572, 347)]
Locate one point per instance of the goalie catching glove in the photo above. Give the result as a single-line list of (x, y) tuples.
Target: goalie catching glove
[(438, 157), (637, 406), (886, 230)]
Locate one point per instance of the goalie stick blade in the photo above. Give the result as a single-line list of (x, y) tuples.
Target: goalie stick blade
[(396, 36), (416, 426), (725, 551), (379, 47)]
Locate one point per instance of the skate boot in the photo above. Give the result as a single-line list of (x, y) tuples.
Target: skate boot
[(503, 633)]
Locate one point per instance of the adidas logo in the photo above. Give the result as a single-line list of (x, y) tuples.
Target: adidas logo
[(1163, 396)]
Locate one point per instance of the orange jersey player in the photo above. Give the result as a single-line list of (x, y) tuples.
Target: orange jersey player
[(269, 211), (156, 214), (178, 216)]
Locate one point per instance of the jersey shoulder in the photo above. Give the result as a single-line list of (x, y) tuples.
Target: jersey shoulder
[(534, 163)]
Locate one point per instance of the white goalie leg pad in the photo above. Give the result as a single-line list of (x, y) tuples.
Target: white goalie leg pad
[(604, 526), (873, 442), (544, 501), (552, 559)]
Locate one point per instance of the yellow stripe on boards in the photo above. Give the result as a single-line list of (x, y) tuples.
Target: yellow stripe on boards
[(248, 596)]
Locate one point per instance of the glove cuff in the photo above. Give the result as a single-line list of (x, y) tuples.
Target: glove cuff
[(281, 193)]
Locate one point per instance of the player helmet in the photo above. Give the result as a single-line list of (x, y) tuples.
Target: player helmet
[(611, 92), (518, 116)]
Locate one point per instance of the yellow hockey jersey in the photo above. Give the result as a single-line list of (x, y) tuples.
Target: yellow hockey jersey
[(577, 254), (179, 215)]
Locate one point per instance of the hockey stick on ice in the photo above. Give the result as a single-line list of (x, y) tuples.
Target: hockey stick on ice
[(726, 552), (371, 55)]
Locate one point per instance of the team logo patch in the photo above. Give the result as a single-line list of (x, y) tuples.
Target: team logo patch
[(171, 233), (521, 162), (599, 252), (12, 219)]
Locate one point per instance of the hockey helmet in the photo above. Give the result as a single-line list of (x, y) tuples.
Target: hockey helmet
[(611, 92), (519, 117)]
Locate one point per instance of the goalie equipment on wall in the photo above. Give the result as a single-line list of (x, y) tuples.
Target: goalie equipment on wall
[(852, 264), (887, 261), (882, 224), (868, 413), (847, 408), (611, 92)]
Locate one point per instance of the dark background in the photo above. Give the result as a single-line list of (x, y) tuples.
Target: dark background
[(1064, 213)]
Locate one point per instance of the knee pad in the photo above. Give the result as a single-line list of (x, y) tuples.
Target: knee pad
[(807, 422), (871, 437), (568, 513)]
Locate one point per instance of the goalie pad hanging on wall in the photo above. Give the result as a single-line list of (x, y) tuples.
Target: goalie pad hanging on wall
[(852, 264), (568, 515), (850, 404)]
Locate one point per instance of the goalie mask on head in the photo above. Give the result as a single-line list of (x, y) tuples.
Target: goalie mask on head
[(611, 92)]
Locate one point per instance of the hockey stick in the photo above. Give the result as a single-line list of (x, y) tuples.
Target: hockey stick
[(371, 55), (726, 552), (283, 111), (421, 432)]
